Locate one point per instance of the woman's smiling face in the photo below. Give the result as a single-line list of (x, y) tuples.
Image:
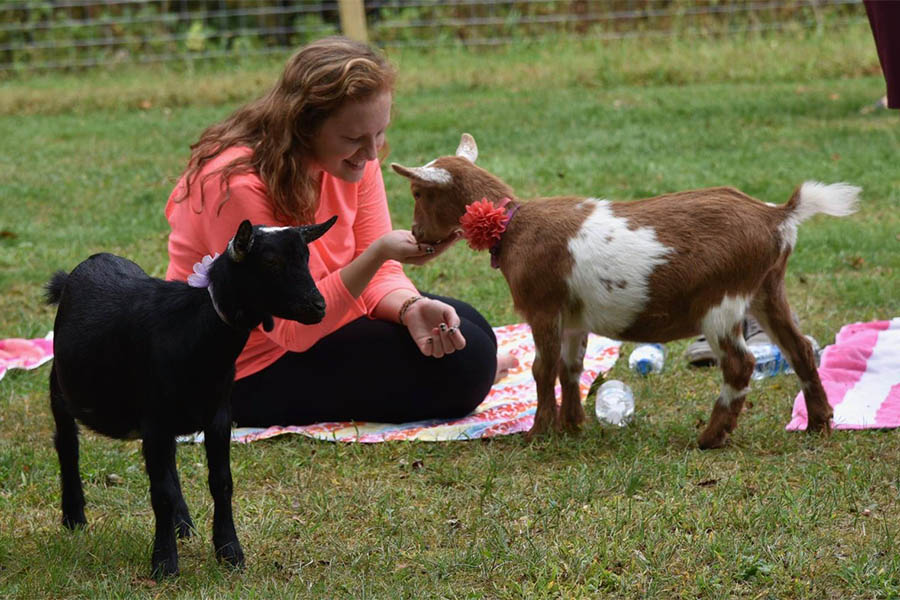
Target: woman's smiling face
[(352, 136)]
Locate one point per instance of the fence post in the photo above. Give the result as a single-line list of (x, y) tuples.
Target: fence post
[(353, 19)]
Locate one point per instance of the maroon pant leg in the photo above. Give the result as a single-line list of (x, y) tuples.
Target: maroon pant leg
[(884, 17)]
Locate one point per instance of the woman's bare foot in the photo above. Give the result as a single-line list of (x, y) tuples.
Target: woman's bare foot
[(505, 362), (880, 105)]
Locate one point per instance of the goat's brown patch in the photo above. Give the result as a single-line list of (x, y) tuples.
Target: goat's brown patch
[(736, 363), (609, 284), (722, 244), (535, 258)]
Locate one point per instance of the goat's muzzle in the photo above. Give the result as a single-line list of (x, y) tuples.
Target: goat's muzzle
[(309, 312), (423, 238)]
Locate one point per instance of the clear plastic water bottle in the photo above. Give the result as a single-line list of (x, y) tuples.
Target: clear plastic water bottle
[(614, 403), (769, 361), (647, 358)]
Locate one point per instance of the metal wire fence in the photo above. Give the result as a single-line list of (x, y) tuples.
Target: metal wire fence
[(39, 35)]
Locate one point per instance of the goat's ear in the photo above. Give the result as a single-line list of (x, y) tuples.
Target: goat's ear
[(405, 171), (267, 323), (240, 244), (467, 149), (314, 232), (426, 175)]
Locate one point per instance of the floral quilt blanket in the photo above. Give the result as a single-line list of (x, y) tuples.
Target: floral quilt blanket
[(508, 408)]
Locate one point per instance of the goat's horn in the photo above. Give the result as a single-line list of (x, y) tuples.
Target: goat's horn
[(240, 244)]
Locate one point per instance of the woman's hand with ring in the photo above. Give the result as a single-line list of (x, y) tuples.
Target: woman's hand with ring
[(434, 326)]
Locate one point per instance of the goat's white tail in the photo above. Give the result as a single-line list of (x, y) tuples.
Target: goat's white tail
[(837, 200)]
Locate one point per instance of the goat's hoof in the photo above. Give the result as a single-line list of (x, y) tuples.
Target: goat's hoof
[(76, 521), (165, 568), (710, 440), (816, 425), (538, 429), (572, 423), (184, 528), (570, 426), (232, 554), (533, 433)]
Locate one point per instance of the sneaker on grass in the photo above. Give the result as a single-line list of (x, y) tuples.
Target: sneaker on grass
[(699, 353)]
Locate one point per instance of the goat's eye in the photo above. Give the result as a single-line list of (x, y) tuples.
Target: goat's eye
[(272, 261), (417, 195)]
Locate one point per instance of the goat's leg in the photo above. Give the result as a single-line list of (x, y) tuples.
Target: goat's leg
[(183, 523), (159, 458), (66, 441), (574, 344), (772, 311), (736, 363), (217, 440), (546, 334)]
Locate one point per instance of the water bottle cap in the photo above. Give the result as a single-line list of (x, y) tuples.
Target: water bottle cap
[(614, 384)]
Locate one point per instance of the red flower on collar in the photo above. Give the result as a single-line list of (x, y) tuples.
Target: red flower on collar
[(483, 224)]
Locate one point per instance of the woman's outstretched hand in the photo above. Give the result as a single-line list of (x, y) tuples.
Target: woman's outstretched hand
[(400, 245), (434, 326)]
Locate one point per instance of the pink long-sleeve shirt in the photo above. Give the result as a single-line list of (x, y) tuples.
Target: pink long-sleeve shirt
[(199, 229)]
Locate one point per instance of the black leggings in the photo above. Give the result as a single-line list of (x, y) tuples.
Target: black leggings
[(371, 370)]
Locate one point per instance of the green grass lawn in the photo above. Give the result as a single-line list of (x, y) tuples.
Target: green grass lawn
[(89, 160)]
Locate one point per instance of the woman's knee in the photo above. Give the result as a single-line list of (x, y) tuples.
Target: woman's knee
[(467, 312)]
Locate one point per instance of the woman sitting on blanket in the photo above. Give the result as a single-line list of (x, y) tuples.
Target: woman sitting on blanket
[(307, 150)]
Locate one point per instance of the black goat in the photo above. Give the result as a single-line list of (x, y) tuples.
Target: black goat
[(138, 357)]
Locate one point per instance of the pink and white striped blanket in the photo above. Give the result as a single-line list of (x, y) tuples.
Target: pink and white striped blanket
[(861, 376), (17, 353)]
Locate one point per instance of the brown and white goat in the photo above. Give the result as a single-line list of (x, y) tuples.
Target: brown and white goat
[(651, 270)]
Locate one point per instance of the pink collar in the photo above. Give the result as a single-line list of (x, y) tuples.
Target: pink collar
[(483, 225)]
